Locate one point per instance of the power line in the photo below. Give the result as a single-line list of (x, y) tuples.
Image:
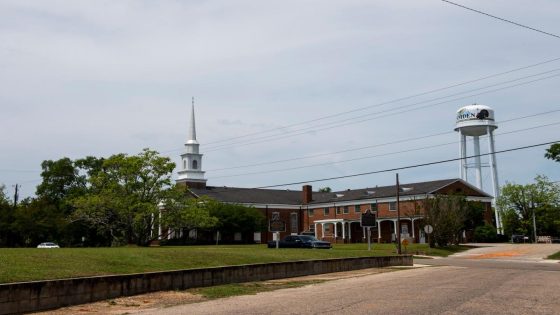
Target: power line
[(374, 156), (373, 146), (406, 167), (387, 113), (501, 19), (281, 128)]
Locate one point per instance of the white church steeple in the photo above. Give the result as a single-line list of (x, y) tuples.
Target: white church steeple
[(190, 172)]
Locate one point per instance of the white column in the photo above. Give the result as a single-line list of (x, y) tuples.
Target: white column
[(412, 220), (349, 230), (364, 232), (322, 230), (495, 183), (463, 161), (396, 227), (315, 230), (477, 164), (159, 225), (378, 230), (343, 231), (335, 230)]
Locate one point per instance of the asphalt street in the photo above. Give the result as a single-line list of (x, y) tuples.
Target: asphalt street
[(507, 279)]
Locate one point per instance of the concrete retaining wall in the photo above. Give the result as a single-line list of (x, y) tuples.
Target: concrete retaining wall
[(42, 295)]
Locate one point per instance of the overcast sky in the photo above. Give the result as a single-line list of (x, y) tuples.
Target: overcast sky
[(81, 78)]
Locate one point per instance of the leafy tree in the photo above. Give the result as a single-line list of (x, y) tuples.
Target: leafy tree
[(235, 218), (6, 218), (325, 189), (518, 202), (485, 234), (123, 198), (553, 153), (36, 221), (63, 181), (184, 212), (447, 215)]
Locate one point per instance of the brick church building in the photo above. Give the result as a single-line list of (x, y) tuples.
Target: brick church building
[(332, 216)]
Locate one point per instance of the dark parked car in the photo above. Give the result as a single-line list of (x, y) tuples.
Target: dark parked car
[(519, 239), (300, 241)]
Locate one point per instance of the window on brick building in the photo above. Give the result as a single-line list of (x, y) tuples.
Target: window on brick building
[(393, 206), (346, 210), (326, 211), (310, 212), (356, 208), (374, 206), (312, 227), (338, 210)]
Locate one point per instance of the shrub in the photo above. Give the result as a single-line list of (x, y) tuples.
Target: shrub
[(485, 234)]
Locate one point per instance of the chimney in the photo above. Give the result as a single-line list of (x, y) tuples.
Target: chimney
[(307, 194)]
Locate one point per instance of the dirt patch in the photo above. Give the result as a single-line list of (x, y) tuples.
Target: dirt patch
[(131, 304), (497, 255)]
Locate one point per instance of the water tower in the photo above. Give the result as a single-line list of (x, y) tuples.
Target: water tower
[(476, 121)]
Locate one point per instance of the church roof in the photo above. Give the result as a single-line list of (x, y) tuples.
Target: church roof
[(294, 197)]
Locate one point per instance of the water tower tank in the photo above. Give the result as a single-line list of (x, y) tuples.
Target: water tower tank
[(474, 120)]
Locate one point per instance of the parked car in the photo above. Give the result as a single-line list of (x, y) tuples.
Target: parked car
[(515, 238), (300, 241), (48, 245)]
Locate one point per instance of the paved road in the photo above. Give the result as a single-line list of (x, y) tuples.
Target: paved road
[(497, 280)]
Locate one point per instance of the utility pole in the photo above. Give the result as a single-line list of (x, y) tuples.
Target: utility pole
[(534, 221), (398, 231), (16, 196)]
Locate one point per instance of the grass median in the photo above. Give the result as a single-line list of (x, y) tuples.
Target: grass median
[(554, 256), (28, 264)]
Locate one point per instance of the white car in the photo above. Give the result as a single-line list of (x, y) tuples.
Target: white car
[(48, 245)]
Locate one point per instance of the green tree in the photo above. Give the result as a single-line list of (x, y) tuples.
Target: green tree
[(553, 153), (123, 198), (63, 181), (447, 214), (325, 189), (6, 218), (185, 212), (235, 218), (518, 202), (36, 221)]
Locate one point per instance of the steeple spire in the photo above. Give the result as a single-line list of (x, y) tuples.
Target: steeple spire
[(190, 172), (192, 129)]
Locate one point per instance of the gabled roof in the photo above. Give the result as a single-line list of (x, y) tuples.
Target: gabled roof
[(294, 197), (251, 195), (408, 189)]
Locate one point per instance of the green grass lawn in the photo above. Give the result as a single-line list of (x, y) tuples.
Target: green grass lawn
[(554, 256), (26, 264)]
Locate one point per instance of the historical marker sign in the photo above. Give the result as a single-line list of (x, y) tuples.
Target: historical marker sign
[(368, 219), (277, 226)]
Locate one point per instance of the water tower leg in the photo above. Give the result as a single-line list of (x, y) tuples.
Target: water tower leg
[(463, 161), (495, 183), (477, 164)]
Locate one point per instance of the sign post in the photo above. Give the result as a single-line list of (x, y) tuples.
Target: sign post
[(428, 229), (276, 226), (368, 219)]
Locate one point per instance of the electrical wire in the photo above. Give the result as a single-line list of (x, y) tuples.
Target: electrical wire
[(372, 146), (385, 113), (407, 167), (374, 156), (502, 19), (282, 128)]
